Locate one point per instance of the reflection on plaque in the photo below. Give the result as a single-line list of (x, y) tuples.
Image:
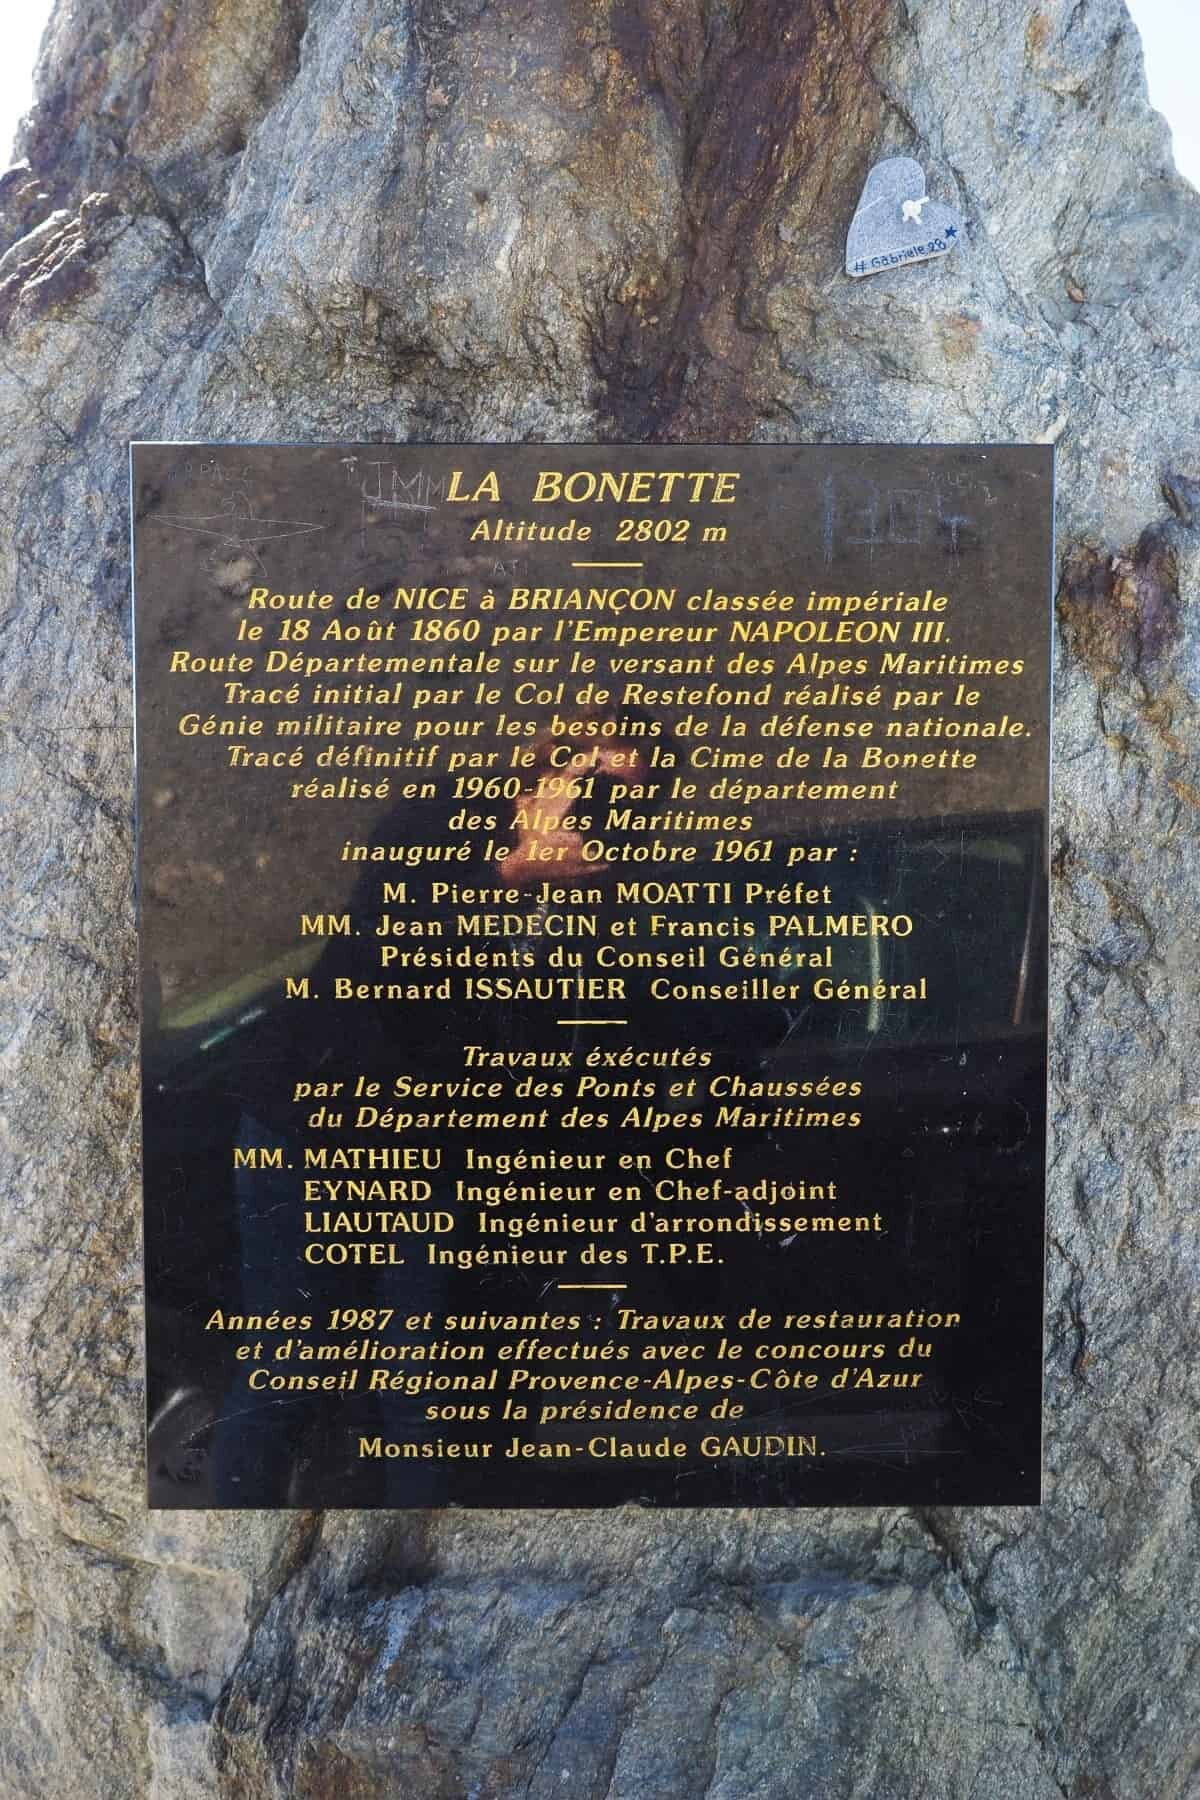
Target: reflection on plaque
[(593, 919)]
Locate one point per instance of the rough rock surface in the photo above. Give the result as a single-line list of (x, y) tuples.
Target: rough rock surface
[(581, 218)]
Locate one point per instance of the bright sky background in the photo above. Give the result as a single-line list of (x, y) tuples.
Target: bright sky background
[(20, 34), (1171, 42), (1170, 35)]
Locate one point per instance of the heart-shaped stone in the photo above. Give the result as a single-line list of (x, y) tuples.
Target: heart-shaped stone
[(896, 221)]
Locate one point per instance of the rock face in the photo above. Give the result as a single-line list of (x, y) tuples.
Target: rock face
[(602, 218)]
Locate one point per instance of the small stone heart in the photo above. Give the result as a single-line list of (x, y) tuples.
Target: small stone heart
[(896, 222)]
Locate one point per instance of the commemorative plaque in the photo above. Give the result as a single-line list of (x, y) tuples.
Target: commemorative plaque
[(593, 922)]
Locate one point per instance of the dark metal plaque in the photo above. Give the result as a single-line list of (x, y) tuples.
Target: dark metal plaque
[(593, 919)]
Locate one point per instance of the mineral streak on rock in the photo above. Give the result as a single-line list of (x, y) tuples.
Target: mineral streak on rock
[(1121, 611), (566, 219)]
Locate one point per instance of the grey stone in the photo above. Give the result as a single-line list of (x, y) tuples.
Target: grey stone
[(557, 219), (896, 222)]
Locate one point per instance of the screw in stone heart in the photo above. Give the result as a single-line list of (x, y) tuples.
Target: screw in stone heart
[(896, 222)]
